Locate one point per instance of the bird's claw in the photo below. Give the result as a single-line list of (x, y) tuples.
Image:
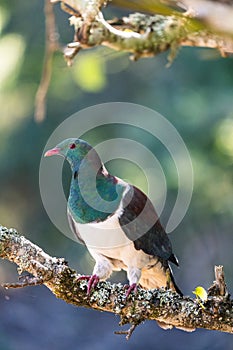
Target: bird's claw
[(92, 282), (132, 288)]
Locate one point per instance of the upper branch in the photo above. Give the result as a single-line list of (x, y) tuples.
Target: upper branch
[(139, 34), (162, 305)]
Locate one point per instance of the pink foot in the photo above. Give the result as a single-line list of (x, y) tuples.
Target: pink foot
[(132, 288), (92, 282)]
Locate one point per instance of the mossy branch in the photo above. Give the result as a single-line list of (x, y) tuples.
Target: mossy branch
[(140, 34), (164, 306)]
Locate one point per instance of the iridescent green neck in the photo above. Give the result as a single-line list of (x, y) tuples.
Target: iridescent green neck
[(93, 198)]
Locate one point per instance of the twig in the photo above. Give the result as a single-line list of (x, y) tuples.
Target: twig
[(219, 285), (51, 45), (88, 9), (128, 333), (25, 281)]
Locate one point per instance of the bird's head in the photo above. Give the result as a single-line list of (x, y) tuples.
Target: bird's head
[(76, 151)]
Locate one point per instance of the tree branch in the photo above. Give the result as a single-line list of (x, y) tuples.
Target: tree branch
[(139, 34), (162, 305)]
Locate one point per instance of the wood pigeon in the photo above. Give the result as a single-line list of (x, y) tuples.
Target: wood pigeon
[(116, 221)]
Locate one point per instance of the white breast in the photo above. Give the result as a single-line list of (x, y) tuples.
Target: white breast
[(109, 240), (103, 235)]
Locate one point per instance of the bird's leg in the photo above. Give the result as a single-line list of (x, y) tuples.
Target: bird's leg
[(102, 271), (133, 275), (132, 288), (92, 281)]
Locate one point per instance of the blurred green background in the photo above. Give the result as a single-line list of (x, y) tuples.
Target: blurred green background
[(195, 94)]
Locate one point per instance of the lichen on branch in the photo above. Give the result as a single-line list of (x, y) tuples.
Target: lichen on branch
[(162, 305)]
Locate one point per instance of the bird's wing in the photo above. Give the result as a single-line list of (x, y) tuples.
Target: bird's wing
[(141, 225), (74, 227)]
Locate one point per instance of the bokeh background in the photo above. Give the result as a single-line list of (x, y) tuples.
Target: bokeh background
[(195, 94)]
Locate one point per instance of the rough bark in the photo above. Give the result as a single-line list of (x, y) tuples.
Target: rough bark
[(162, 305)]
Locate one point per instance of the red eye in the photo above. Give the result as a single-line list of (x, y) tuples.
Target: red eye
[(72, 146)]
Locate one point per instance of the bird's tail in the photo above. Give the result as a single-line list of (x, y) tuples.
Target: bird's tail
[(157, 276)]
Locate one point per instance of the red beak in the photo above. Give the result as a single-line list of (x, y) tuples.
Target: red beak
[(52, 152)]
